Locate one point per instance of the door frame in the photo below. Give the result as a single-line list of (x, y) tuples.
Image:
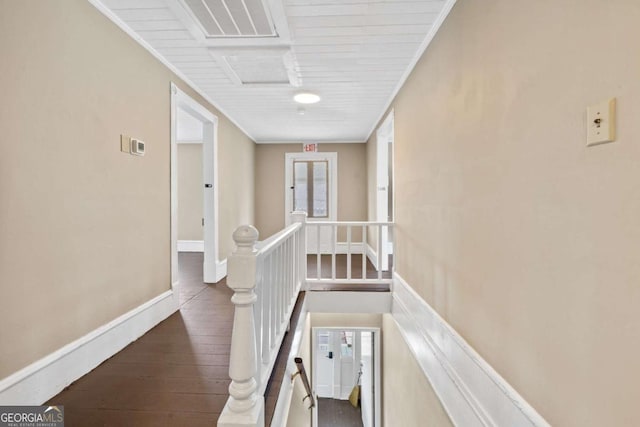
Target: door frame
[(332, 158), (213, 268), (377, 372), (384, 136)]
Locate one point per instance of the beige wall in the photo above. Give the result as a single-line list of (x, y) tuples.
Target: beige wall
[(236, 178), (407, 395), (522, 238), (190, 192), (85, 228), (270, 184)]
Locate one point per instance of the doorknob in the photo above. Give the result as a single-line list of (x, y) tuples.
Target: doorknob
[(208, 185)]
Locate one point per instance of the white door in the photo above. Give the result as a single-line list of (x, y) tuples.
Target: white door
[(384, 195), (324, 357), (311, 185), (337, 364)]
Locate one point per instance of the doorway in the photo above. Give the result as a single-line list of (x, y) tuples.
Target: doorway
[(384, 189), (185, 108), (311, 186), (342, 359)]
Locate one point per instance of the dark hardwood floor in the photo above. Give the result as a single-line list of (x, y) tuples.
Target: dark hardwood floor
[(177, 374), (338, 413)]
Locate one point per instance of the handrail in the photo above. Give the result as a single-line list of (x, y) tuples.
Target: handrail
[(305, 380), (270, 244)]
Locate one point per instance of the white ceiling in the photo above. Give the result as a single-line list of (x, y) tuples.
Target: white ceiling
[(355, 54)]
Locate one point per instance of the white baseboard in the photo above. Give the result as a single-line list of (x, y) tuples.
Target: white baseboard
[(471, 391), (221, 269), (190, 245), (373, 256), (43, 379), (215, 272)]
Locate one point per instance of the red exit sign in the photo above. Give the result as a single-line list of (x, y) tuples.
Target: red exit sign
[(310, 148)]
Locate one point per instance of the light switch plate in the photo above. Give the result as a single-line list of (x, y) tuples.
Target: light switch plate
[(601, 122), (125, 144)]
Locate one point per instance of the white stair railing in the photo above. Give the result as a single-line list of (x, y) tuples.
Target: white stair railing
[(266, 279), (359, 242)]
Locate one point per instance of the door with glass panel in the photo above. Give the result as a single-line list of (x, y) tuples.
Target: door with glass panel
[(311, 186)]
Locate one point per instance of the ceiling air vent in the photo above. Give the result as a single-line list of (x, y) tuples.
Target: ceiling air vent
[(259, 66), (232, 18)]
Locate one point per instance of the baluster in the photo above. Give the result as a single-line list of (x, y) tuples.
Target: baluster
[(334, 238), (286, 264), (278, 289), (266, 296), (391, 230), (290, 267), (272, 309), (318, 258), (364, 251), (348, 252), (276, 294), (296, 263), (380, 252), (301, 248), (244, 406), (285, 276), (288, 271), (258, 311)]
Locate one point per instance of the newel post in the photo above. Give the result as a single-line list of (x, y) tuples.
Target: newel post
[(301, 217), (244, 406)]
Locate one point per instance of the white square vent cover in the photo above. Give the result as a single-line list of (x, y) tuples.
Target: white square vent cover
[(258, 69), (259, 66)]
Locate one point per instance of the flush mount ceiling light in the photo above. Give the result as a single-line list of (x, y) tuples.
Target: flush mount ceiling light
[(306, 98)]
